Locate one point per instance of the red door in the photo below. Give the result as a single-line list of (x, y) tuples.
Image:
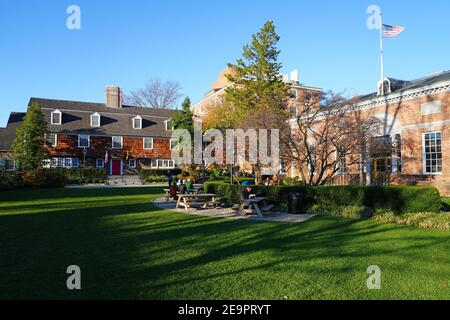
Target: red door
[(116, 167)]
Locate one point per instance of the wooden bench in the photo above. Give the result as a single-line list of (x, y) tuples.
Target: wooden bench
[(188, 200)]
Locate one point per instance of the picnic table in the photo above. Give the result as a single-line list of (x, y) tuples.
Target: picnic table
[(187, 199), (254, 203)]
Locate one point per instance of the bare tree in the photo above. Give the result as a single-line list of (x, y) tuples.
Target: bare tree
[(327, 135), (156, 94)]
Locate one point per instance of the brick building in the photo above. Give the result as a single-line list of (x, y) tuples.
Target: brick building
[(83, 134), (416, 117)]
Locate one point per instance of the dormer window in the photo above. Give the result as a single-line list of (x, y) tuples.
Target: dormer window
[(95, 120), (293, 94), (384, 87), (56, 117), (137, 123), (169, 126)]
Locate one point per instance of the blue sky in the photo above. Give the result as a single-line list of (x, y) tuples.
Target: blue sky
[(129, 42)]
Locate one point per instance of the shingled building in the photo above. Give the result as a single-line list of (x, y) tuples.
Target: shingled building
[(120, 138)]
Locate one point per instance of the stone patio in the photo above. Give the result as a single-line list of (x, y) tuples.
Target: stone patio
[(232, 214)]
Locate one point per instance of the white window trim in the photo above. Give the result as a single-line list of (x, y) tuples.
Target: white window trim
[(99, 119), (132, 122), (171, 145), (424, 155), (56, 140), (88, 138), (129, 163), (60, 117), (121, 142), (167, 128), (96, 163), (143, 143), (151, 163)]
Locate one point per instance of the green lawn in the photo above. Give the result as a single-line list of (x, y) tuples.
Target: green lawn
[(126, 248)]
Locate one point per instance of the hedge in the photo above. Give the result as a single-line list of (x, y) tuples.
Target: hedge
[(10, 180), (229, 194), (44, 178), (84, 175), (399, 199)]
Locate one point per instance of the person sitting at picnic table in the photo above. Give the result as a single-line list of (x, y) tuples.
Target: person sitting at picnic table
[(246, 192), (189, 185), (181, 187), (173, 189)]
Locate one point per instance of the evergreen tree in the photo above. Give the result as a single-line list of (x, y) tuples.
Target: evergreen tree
[(29, 145), (184, 119), (256, 77), (258, 95)]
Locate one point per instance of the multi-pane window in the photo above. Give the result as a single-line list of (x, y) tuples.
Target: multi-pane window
[(432, 152), (100, 163), (56, 117), (174, 144), (95, 120), (154, 164), (51, 139), (340, 159), (169, 125), (83, 141), (117, 142), (132, 163), (166, 164), (293, 94), (62, 163), (293, 112), (137, 122), (148, 143)]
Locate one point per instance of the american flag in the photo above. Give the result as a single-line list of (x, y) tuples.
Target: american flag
[(392, 31)]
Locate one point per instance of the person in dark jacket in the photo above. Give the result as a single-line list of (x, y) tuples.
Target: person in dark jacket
[(173, 189), (170, 178), (246, 192)]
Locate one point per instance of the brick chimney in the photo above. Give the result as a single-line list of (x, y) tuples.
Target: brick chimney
[(113, 97)]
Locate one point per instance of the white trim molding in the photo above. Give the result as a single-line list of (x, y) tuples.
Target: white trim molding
[(57, 123)]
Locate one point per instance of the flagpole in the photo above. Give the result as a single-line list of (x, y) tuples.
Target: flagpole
[(381, 51)]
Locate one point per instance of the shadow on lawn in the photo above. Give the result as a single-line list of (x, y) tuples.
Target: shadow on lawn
[(52, 194), (136, 250)]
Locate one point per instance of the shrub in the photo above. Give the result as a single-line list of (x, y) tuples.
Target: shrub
[(155, 179), (399, 199), (152, 173), (231, 194), (9, 180), (426, 220), (351, 212), (44, 178), (84, 175)]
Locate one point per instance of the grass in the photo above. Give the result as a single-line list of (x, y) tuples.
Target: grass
[(128, 249)]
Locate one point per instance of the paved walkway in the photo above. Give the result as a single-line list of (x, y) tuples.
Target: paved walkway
[(231, 213)]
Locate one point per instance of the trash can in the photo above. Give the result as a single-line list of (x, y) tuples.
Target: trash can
[(295, 203)]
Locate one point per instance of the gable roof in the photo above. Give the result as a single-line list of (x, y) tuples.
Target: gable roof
[(114, 121), (8, 134), (402, 86)]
